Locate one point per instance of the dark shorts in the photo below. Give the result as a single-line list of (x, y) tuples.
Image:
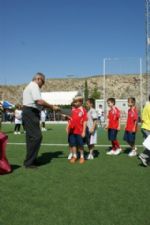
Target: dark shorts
[(75, 140), (129, 137), (112, 134)]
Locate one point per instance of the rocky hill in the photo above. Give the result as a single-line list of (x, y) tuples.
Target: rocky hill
[(118, 86)]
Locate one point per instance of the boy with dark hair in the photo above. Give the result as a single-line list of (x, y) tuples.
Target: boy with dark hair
[(113, 125), (131, 126)]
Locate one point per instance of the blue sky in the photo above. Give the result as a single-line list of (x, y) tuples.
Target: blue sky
[(67, 37)]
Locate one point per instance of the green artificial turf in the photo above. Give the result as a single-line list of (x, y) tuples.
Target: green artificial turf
[(109, 190)]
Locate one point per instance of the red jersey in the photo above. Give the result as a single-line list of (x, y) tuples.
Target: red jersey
[(78, 117), (131, 124), (113, 117)]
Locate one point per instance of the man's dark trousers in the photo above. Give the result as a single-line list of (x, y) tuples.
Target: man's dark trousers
[(31, 121)]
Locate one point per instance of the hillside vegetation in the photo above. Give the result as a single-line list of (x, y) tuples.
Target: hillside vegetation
[(118, 86)]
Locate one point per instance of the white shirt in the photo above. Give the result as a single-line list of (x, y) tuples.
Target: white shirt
[(31, 94), (43, 115), (100, 112), (18, 116), (92, 115)]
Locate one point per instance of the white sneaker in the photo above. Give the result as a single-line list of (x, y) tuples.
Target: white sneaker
[(111, 152), (144, 156), (15, 132), (118, 151), (132, 153), (143, 160), (70, 156), (90, 156), (18, 132)]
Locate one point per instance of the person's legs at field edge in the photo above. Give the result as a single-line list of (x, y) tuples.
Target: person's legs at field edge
[(146, 152)]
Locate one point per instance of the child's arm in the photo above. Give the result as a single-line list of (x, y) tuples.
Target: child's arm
[(94, 126), (119, 125), (106, 125), (84, 129), (135, 126), (135, 122), (67, 128)]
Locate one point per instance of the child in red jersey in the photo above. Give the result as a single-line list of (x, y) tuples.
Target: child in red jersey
[(131, 126), (77, 129), (113, 126)]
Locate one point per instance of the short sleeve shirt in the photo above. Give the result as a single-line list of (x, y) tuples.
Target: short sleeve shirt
[(113, 117), (78, 117), (131, 120), (31, 94), (92, 115)]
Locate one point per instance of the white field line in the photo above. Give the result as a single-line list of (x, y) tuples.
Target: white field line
[(46, 144)]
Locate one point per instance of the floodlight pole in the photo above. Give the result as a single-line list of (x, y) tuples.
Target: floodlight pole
[(147, 20), (141, 83), (104, 84)]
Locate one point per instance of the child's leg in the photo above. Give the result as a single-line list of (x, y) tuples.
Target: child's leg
[(134, 149), (91, 149), (70, 153), (19, 127), (116, 144), (82, 160), (15, 129), (43, 124), (113, 145), (81, 149), (74, 158)]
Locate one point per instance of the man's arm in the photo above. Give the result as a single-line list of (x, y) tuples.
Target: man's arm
[(45, 104)]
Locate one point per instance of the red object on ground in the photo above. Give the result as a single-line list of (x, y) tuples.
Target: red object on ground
[(4, 164)]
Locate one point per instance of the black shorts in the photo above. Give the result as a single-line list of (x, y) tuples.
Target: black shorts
[(129, 137), (75, 140), (112, 134)]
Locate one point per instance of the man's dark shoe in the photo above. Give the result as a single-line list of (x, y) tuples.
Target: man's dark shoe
[(31, 167)]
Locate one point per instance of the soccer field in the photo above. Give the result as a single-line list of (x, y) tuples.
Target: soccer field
[(109, 190)]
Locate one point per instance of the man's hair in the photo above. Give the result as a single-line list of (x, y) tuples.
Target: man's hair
[(132, 99), (149, 98), (112, 100), (92, 101), (38, 75)]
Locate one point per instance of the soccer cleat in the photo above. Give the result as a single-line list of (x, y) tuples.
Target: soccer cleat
[(73, 160), (90, 156), (143, 160), (111, 152), (81, 160), (132, 153), (117, 151), (70, 156), (144, 156)]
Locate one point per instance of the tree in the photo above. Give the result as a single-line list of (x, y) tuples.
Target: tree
[(86, 91), (95, 94)]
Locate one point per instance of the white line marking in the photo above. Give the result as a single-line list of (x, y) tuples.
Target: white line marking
[(46, 144)]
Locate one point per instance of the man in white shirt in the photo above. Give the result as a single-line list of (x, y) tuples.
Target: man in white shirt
[(32, 105)]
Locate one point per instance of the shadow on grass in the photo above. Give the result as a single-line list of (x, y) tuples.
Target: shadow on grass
[(15, 167), (47, 157), (127, 150), (96, 153)]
